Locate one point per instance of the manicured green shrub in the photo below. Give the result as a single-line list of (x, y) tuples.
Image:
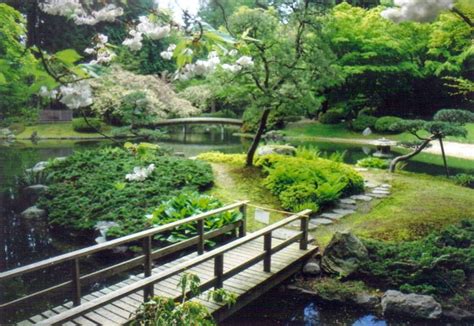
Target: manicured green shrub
[(464, 179), (372, 162), (80, 125), (331, 117), (454, 116), (218, 157), (387, 124), (439, 264), (17, 128), (187, 204), (298, 181), (90, 186), (362, 122)]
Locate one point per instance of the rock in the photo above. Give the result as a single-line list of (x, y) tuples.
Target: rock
[(385, 185), (381, 191), (40, 166), (361, 197), (367, 131), (320, 221), (36, 189), (33, 212), (347, 201), (458, 314), (276, 149), (274, 135), (344, 254), (343, 212), (410, 305), (60, 158), (332, 216), (285, 234), (366, 301), (312, 268), (379, 196)]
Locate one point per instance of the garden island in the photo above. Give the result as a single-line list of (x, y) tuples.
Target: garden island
[(241, 162)]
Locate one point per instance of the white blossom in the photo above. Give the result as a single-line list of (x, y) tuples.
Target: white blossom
[(152, 30), (89, 51), (76, 95), (134, 42), (61, 7), (103, 39), (188, 51), (231, 68), (416, 10), (233, 52), (166, 55), (140, 174), (245, 61), (75, 10), (44, 92), (171, 47)]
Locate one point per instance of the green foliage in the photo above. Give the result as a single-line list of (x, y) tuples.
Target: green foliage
[(436, 128), (464, 179), (439, 264), (460, 117), (312, 153), (362, 122), (91, 125), (373, 162), (17, 128), (185, 205), (84, 188), (384, 124), (218, 157), (313, 182), (331, 117), (166, 311), (332, 289)]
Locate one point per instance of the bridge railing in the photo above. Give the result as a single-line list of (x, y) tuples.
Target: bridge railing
[(219, 274), (146, 259)]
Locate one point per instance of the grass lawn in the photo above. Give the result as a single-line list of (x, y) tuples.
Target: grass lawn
[(316, 129), (418, 204), (56, 130)]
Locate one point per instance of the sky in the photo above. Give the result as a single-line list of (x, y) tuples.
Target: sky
[(178, 5)]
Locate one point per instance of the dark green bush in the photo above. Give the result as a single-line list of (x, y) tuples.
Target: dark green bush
[(308, 183), (387, 124), (454, 116), (90, 186), (251, 117), (331, 117), (373, 162), (80, 125), (439, 264), (362, 122), (464, 179)]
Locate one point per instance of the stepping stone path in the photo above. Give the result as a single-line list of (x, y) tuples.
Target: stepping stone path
[(344, 207)]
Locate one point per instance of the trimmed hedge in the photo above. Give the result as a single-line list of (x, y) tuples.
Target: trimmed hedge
[(80, 125), (362, 122), (331, 117), (388, 124)]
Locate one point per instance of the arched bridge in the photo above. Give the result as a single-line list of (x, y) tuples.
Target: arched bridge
[(198, 120)]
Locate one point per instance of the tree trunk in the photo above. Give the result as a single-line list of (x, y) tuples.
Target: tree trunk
[(444, 156), (32, 24), (258, 136), (396, 160)]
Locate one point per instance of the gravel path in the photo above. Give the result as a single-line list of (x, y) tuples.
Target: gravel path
[(453, 149)]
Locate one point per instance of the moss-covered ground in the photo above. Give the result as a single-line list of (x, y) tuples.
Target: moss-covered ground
[(61, 130)]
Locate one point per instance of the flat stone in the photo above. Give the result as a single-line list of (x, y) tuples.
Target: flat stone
[(369, 184), (381, 192), (347, 201), (361, 197), (33, 212), (332, 216), (385, 185), (377, 195), (361, 169), (320, 221), (395, 303), (344, 211), (285, 234)]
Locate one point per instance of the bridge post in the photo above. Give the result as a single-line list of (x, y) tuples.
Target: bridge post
[(243, 224), (222, 132), (304, 229), (219, 271), (147, 267), (267, 247), (200, 229), (76, 283)]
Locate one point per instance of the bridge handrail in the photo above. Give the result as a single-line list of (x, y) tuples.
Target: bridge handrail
[(217, 254), (114, 243), (198, 120)]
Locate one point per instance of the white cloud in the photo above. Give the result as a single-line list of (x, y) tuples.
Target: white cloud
[(177, 6)]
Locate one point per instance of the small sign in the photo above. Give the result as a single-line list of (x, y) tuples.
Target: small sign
[(262, 216)]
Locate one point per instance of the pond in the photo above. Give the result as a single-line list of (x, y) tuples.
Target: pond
[(23, 242)]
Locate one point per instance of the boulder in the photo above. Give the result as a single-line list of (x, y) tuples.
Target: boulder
[(396, 303), (366, 301), (36, 189), (458, 314), (40, 166), (276, 149), (312, 268), (33, 212), (274, 135), (344, 254)]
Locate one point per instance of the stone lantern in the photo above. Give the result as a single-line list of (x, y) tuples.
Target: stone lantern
[(383, 147)]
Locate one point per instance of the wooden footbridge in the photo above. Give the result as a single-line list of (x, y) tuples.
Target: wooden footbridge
[(249, 265)]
